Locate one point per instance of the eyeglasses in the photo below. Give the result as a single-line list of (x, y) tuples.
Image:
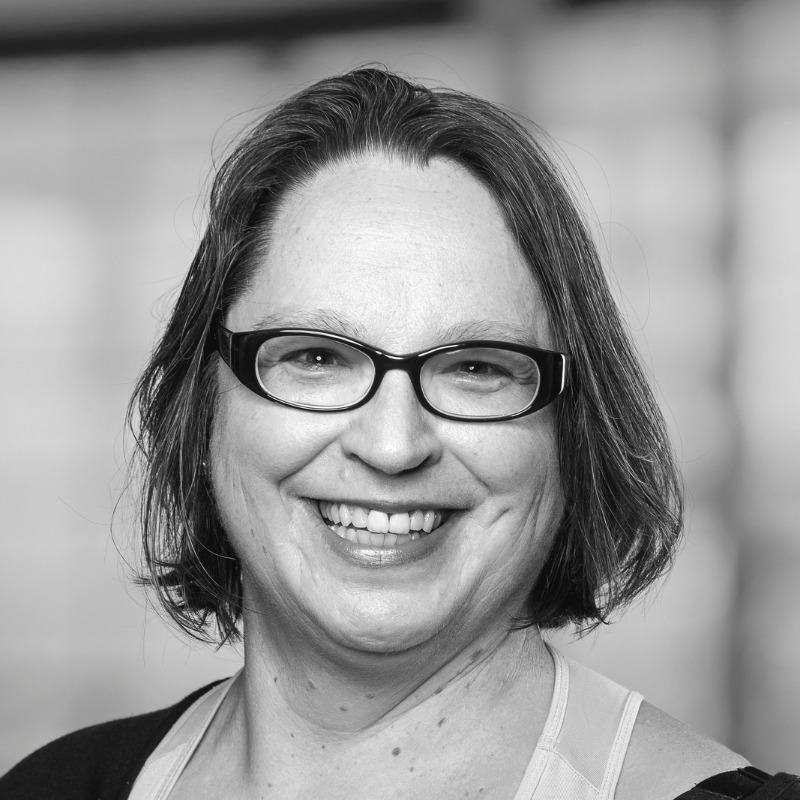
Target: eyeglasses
[(318, 371)]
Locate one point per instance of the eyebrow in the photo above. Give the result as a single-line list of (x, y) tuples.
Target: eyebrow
[(312, 318), (326, 319), (487, 329)]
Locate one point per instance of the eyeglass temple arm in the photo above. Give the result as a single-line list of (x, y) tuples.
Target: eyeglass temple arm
[(564, 372), (225, 344)]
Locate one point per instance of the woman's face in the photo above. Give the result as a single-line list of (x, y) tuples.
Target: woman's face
[(403, 258)]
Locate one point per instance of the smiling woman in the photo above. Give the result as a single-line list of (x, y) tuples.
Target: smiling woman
[(393, 429)]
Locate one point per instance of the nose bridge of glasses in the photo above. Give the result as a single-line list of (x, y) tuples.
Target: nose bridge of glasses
[(388, 362)]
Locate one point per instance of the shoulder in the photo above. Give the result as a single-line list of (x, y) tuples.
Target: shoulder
[(666, 758), (99, 761)]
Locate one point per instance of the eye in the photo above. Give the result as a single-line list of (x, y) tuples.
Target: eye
[(310, 358), (483, 369), (301, 353), (479, 369), (313, 371)]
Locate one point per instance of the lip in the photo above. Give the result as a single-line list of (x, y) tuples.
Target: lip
[(362, 555)]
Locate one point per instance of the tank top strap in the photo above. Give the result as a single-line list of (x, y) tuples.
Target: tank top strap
[(580, 753), (166, 763)]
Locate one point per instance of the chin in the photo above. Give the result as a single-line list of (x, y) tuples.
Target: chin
[(382, 630)]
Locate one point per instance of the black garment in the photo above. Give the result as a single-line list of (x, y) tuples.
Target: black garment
[(750, 783), (97, 763)]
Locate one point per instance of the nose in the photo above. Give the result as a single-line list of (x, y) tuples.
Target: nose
[(392, 433)]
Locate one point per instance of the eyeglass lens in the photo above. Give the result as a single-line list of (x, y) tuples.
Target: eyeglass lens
[(317, 372)]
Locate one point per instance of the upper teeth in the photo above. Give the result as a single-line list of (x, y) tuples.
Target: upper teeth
[(379, 521)]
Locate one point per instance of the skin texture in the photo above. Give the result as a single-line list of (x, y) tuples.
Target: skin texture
[(358, 678)]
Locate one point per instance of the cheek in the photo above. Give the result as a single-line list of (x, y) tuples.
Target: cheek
[(260, 439), (256, 446), (518, 467), (518, 462), (511, 531)]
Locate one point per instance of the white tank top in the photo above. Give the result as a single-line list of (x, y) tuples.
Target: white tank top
[(578, 756)]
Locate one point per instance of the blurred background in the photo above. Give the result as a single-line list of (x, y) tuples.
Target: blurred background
[(682, 123)]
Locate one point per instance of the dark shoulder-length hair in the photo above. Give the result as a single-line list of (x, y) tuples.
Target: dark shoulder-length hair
[(623, 509)]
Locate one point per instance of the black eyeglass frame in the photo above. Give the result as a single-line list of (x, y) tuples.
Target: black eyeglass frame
[(240, 350)]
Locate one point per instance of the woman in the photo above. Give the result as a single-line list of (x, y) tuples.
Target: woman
[(393, 429)]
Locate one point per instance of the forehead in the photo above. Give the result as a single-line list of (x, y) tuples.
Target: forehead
[(400, 255)]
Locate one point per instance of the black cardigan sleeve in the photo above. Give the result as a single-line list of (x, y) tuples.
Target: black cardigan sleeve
[(96, 763), (747, 782)]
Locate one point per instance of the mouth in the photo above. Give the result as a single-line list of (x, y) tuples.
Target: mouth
[(374, 528)]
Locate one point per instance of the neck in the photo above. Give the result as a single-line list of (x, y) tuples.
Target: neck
[(325, 692)]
